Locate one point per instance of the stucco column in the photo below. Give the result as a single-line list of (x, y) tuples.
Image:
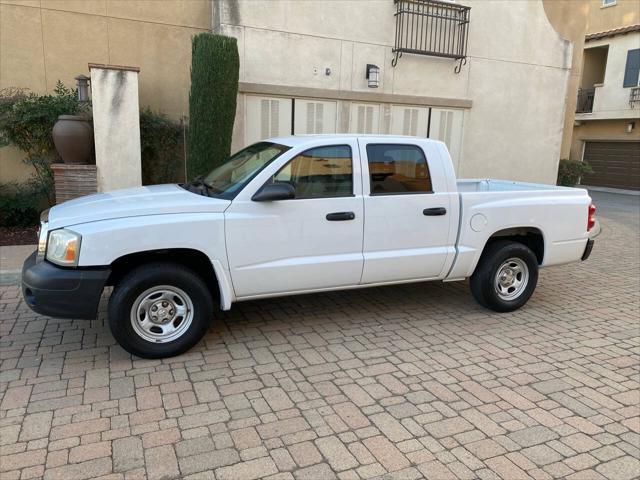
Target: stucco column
[(116, 126), (569, 19)]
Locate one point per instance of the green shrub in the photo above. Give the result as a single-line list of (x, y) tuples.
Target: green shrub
[(20, 204), (26, 121), (570, 172), (162, 147), (215, 67)]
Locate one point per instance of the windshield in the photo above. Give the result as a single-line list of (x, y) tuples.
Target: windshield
[(229, 178)]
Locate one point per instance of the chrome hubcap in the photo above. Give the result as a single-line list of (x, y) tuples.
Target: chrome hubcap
[(162, 314), (511, 279)]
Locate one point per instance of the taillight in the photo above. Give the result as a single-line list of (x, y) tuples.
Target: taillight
[(591, 221)]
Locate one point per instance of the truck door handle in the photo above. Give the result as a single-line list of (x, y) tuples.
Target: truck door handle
[(434, 212), (340, 216)]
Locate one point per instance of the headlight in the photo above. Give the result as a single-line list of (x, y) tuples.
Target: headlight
[(63, 247)]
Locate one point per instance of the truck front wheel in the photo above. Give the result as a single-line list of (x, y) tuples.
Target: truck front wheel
[(505, 277), (159, 310)]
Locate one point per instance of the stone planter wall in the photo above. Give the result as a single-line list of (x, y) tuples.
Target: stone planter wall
[(73, 181)]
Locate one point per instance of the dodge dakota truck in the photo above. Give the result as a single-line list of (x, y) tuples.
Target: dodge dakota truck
[(295, 215)]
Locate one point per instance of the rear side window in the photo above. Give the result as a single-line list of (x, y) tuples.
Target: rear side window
[(398, 169), (320, 172)]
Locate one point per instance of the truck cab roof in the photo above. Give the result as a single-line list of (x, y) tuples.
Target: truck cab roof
[(301, 140)]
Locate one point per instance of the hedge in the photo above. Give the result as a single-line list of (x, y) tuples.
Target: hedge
[(571, 171), (215, 67), (161, 148)]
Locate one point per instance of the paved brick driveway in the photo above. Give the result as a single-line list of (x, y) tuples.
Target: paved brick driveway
[(401, 382)]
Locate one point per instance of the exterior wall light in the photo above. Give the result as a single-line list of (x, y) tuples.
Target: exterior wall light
[(373, 75), (82, 84), (630, 126)]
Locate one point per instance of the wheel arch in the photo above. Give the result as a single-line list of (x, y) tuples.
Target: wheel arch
[(210, 270), (531, 237)]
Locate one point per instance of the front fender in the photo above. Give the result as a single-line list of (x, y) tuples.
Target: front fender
[(105, 241)]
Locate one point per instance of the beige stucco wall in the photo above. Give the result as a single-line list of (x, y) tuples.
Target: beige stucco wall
[(517, 74), (569, 18), (601, 130), (514, 128), (622, 14), (46, 40)]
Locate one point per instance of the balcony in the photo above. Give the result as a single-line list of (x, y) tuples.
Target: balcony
[(634, 97), (585, 100), (433, 28)]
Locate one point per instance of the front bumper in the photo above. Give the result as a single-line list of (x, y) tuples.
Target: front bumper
[(62, 292), (587, 249)]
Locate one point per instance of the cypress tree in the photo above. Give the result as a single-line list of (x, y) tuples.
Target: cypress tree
[(215, 67)]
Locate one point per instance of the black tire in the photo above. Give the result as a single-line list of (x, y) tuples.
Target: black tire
[(483, 279), (140, 280)]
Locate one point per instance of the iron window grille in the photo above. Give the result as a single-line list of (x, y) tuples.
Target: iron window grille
[(634, 97), (585, 100), (432, 27)]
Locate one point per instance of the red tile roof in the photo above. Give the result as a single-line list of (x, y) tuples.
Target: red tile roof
[(611, 33)]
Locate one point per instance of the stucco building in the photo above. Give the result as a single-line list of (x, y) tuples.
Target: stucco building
[(607, 121), (506, 113)]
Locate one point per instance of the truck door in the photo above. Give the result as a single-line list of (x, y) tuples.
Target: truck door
[(310, 242), (408, 210)]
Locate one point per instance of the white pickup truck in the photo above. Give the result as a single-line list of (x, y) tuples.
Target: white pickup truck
[(295, 215)]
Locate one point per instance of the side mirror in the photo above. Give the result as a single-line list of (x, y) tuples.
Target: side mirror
[(274, 191)]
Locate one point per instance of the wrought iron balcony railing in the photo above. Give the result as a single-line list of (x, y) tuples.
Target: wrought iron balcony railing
[(585, 100), (432, 27), (634, 97)]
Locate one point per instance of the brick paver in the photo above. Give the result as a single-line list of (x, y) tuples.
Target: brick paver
[(413, 381)]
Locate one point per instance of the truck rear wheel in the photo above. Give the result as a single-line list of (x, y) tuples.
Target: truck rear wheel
[(159, 310), (505, 277)]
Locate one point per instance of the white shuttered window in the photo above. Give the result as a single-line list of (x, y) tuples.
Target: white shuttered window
[(446, 126), (314, 116), (365, 118), (409, 120), (266, 117)]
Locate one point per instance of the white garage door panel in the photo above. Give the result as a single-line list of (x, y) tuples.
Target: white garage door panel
[(365, 118), (446, 126), (407, 120), (267, 117), (314, 116)]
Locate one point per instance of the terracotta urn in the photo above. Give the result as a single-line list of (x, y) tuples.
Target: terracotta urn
[(73, 138)]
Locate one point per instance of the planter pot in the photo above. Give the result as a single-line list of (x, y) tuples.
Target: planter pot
[(73, 138)]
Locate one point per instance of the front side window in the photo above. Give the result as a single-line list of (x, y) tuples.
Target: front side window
[(398, 169), (320, 172)]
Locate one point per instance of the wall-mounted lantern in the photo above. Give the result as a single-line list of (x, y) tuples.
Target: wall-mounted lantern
[(82, 85), (373, 75), (631, 126)]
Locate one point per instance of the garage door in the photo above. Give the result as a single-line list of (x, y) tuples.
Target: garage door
[(614, 164)]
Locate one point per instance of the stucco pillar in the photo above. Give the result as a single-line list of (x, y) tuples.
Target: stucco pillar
[(569, 19), (116, 126)]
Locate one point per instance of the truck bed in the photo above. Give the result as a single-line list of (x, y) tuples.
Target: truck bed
[(474, 185), (502, 207)]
